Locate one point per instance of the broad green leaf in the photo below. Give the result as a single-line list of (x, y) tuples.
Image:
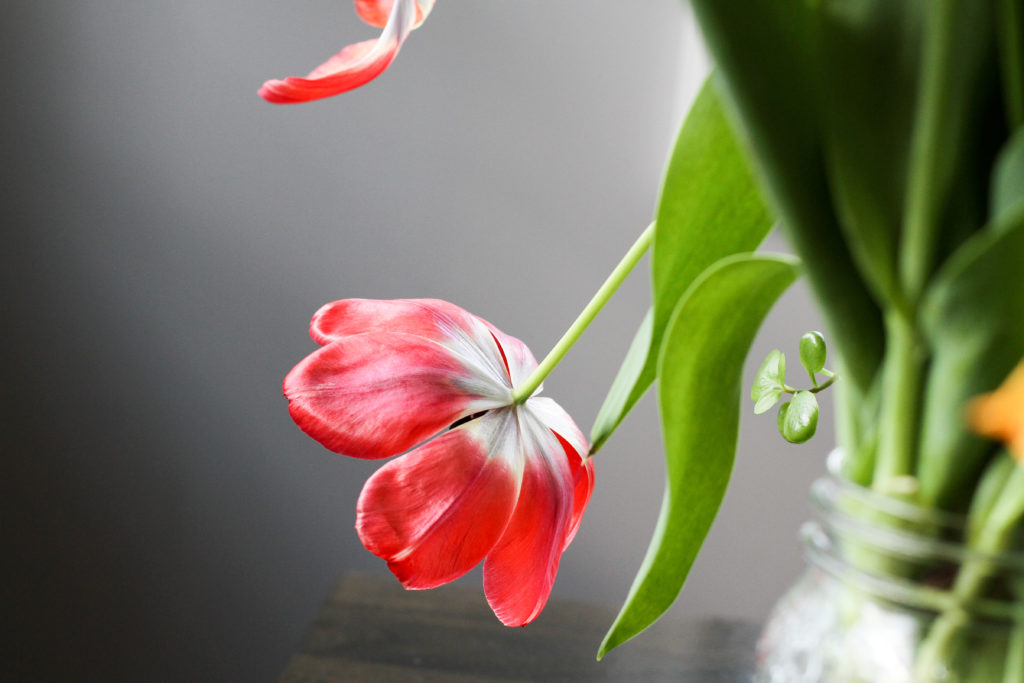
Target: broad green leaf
[(625, 390), (973, 318), (768, 55), (950, 157), (699, 397), (1008, 180), (870, 51), (709, 208)]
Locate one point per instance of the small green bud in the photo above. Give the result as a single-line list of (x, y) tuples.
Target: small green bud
[(800, 420), (812, 352), (781, 420)]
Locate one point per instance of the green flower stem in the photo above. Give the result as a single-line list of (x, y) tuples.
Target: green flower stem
[(817, 388), (1014, 669), (626, 265), (824, 385), (903, 374), (904, 363), (991, 536)]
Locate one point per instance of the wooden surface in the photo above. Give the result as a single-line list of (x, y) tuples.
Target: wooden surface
[(373, 630)]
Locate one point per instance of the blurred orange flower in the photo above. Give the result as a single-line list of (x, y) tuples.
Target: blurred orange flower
[(1000, 415)]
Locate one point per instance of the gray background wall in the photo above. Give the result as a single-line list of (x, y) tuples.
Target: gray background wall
[(168, 235)]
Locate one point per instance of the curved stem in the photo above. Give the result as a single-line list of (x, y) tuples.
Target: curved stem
[(824, 385), (786, 389), (626, 265)]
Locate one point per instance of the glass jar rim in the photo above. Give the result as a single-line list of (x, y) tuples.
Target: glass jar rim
[(849, 518)]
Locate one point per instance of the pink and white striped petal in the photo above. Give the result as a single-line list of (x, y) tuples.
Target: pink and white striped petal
[(555, 418), (376, 12), (576, 449), (353, 66), (583, 487), (434, 513), (520, 571), (428, 318), (378, 394), (479, 343)]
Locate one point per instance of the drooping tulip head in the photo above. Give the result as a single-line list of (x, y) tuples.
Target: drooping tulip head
[(479, 477)]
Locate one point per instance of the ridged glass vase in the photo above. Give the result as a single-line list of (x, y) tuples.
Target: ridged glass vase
[(893, 594)]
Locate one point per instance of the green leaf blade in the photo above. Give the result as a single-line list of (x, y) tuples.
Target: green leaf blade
[(709, 208), (1008, 180), (974, 323), (768, 54), (716, 320), (625, 390)]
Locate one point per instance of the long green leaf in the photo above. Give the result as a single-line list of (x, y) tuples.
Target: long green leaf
[(768, 54), (949, 160), (869, 64), (974, 319), (700, 376), (1008, 180), (709, 208)]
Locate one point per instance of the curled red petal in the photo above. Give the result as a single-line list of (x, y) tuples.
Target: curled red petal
[(583, 487), (520, 571), (574, 443), (353, 66), (434, 513), (378, 394)]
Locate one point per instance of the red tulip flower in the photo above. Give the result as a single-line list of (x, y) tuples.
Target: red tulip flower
[(480, 477), (358, 63)]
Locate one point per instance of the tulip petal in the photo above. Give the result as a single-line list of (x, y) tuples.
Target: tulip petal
[(424, 317), (574, 443), (352, 67), (376, 12), (519, 361), (478, 342), (520, 571), (583, 487), (378, 394), (555, 418), (435, 512)]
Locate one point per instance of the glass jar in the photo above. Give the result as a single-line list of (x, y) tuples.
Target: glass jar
[(892, 594)]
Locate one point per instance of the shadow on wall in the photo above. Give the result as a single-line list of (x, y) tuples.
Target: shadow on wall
[(168, 237)]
